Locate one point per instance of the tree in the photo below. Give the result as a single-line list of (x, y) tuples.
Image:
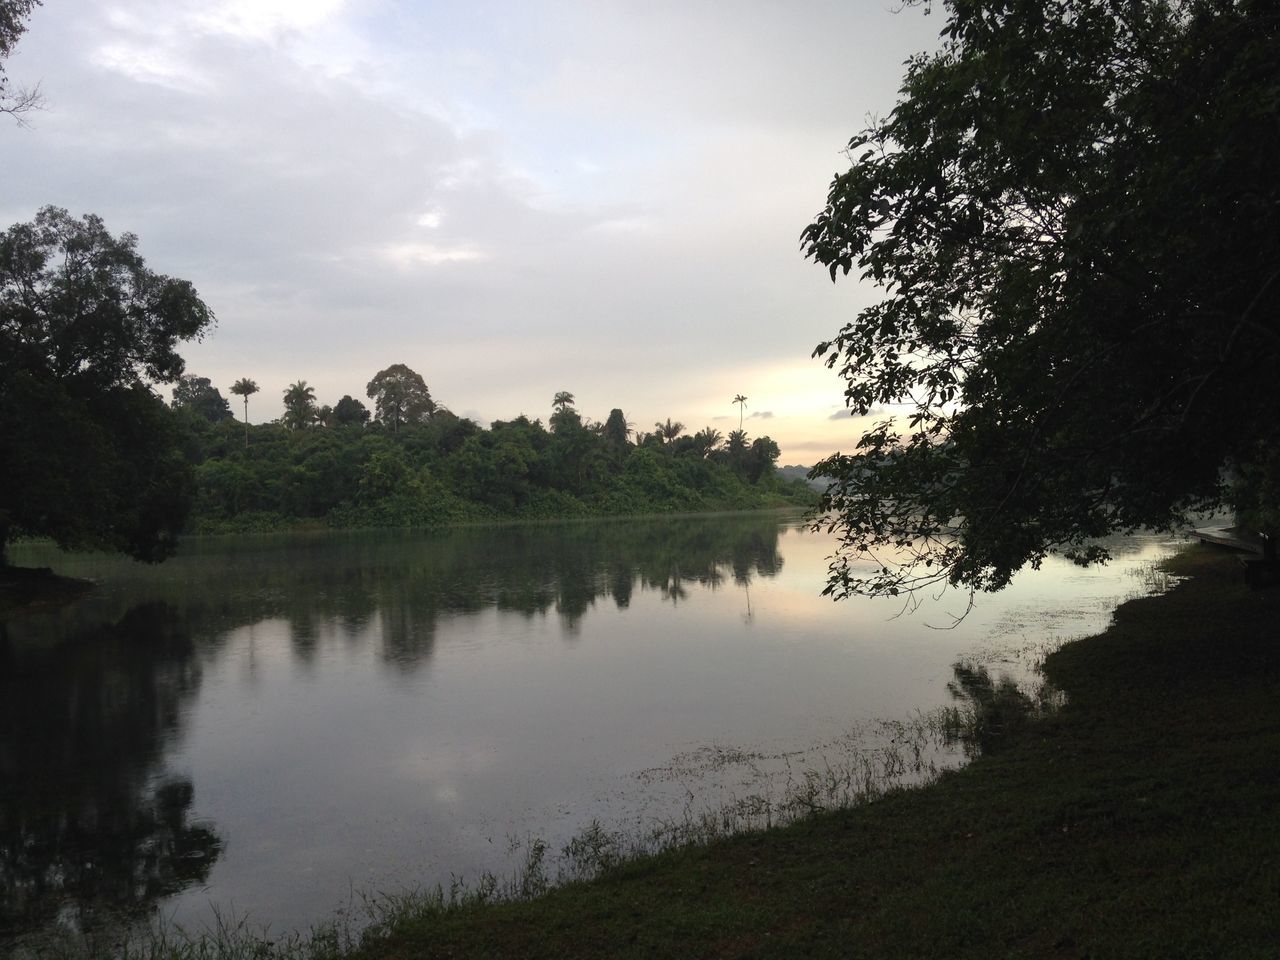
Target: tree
[(244, 387), (91, 454), (201, 397), (561, 400), (400, 396), (615, 429), (742, 406), (1074, 214), (669, 430), (761, 458), (299, 406), (736, 450), (566, 422), (15, 101), (349, 412), (706, 441)]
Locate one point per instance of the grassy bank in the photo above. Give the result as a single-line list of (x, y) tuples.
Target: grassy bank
[(1142, 820)]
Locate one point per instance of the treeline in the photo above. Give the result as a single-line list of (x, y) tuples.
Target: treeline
[(411, 462)]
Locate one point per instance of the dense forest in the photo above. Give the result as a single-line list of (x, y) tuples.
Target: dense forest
[(409, 461)]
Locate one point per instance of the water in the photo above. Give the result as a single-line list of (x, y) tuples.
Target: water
[(265, 724)]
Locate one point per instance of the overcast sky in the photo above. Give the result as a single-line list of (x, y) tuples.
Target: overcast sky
[(513, 198)]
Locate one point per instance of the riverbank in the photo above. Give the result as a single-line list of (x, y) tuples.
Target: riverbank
[(1141, 820), (29, 589)]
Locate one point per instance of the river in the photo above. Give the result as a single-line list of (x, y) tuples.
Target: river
[(265, 726)]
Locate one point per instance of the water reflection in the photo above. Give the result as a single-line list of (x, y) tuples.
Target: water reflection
[(990, 709), (95, 696), (313, 714), (91, 822), (406, 583)]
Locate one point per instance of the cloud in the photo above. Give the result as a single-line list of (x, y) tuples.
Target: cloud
[(431, 218), (624, 225), (845, 414), (760, 415), (265, 20), (511, 203), (405, 255)]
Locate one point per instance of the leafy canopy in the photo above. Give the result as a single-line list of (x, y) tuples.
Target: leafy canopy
[(201, 397), (1074, 214), (350, 412), (300, 409), (91, 453), (400, 395), (80, 305), (15, 101)]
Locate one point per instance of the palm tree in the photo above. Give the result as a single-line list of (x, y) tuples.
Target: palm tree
[(244, 387), (742, 400), (562, 399), (299, 405), (669, 430), (707, 440)]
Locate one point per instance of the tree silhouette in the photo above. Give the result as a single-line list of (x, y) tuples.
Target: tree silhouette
[(562, 399), (244, 387), (706, 440), (1081, 276), (669, 431), (86, 333), (15, 101), (201, 397), (350, 412), (615, 428), (299, 405), (740, 399)]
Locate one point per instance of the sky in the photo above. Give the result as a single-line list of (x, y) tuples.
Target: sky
[(512, 198)]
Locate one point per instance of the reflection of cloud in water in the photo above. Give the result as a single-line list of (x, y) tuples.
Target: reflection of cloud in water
[(441, 767)]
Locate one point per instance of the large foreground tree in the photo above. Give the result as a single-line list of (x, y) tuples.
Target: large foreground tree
[(1074, 213), (90, 453)]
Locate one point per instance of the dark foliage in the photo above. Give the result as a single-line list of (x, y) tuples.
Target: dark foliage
[(1075, 215), (90, 453), (202, 398)]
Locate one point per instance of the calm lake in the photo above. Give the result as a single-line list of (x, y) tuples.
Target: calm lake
[(264, 725)]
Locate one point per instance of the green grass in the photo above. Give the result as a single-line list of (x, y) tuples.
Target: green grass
[(1142, 819)]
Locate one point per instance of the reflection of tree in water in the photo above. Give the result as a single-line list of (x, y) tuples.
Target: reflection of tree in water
[(90, 824), (991, 709), (404, 583), (408, 582)]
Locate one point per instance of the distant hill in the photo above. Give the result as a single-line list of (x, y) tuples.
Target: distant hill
[(798, 472)]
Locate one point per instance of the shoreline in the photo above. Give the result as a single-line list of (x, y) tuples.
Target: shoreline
[(25, 590)]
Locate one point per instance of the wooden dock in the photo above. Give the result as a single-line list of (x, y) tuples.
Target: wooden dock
[(1261, 569), (1230, 537)]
